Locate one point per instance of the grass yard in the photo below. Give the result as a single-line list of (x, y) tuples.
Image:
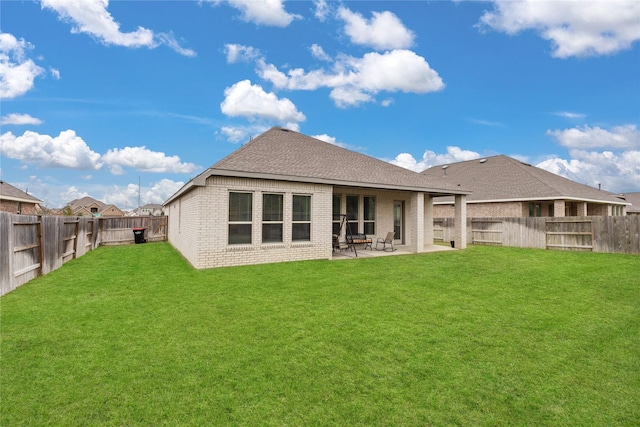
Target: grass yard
[(133, 336)]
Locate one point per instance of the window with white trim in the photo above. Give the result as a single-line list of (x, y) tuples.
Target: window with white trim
[(301, 218), (240, 218), (337, 201), (369, 214), (272, 218), (352, 212)]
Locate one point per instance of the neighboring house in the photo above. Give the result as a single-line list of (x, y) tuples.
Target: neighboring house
[(17, 201), (279, 198), (634, 199), (88, 206), (505, 187), (150, 209)]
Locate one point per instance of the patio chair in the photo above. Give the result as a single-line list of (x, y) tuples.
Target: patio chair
[(387, 242)]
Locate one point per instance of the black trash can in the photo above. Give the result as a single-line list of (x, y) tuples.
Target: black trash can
[(453, 243), (138, 234)]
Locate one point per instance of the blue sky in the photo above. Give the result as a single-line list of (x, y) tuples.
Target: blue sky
[(98, 96)]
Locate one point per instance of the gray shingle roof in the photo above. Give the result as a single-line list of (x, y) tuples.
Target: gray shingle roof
[(9, 192), (287, 155), (634, 199), (501, 177)]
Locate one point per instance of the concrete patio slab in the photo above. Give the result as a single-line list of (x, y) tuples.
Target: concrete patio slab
[(400, 250)]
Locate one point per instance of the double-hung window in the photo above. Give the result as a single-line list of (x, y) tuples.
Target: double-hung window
[(369, 214), (337, 200), (272, 218), (240, 218), (301, 216), (352, 212)]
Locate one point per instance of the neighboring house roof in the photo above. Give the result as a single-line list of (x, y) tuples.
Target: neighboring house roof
[(9, 192), (148, 209), (502, 178), (84, 205), (86, 202), (282, 154), (634, 199), (151, 206)]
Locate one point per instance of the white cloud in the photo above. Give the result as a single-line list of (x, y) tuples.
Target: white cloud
[(17, 72), (575, 28), (570, 115), (486, 123), (318, 52), (143, 159), (19, 119), (69, 151), (127, 197), (91, 17), (55, 73), (326, 138), (242, 133), (66, 150), (386, 102), (357, 80), (237, 52), (383, 31), (251, 101), (431, 158), (69, 194), (160, 191), (322, 10), (585, 137), (262, 12), (614, 172)]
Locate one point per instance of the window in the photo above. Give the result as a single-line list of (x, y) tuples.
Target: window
[(369, 214), (535, 209), (571, 209), (337, 201), (272, 218), (352, 213), (301, 227), (240, 208)]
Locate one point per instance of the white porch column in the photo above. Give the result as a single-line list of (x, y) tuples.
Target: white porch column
[(460, 234), (417, 222), (428, 219)]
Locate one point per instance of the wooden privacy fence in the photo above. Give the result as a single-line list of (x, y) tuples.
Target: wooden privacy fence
[(34, 245), (611, 234)]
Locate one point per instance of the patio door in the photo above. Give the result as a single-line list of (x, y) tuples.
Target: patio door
[(398, 221)]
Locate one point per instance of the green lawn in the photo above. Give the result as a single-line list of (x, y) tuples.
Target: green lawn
[(133, 336)]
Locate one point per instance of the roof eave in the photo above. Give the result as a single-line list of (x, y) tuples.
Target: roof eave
[(533, 199), (21, 199), (200, 181)]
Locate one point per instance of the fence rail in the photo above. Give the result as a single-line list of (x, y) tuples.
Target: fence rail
[(611, 234), (33, 245)]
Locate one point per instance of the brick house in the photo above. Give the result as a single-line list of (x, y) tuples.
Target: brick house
[(278, 198), (17, 201), (88, 206), (505, 187)]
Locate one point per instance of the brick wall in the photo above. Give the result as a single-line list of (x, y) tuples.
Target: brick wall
[(12, 206), (485, 210), (198, 224)]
